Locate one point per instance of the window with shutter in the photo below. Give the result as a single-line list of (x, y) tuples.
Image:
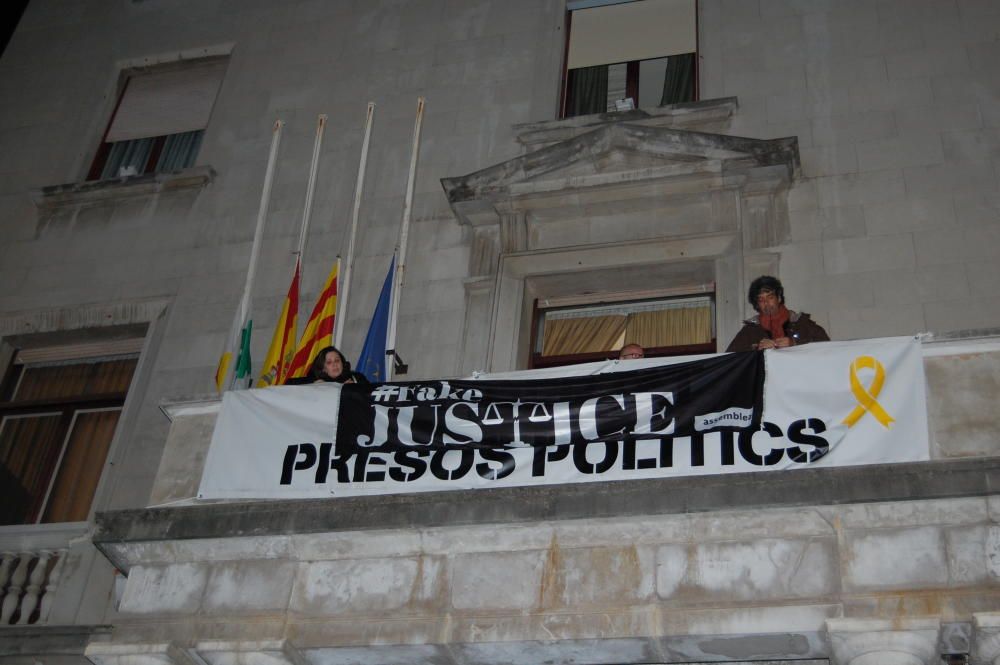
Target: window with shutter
[(159, 120), (629, 53)]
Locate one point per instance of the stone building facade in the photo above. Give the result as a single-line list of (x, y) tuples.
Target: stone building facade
[(851, 148)]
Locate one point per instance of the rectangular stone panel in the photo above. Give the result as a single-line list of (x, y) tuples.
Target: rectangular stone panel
[(357, 586), (753, 570), (601, 576), (249, 586), (497, 580), (895, 559), (175, 588)]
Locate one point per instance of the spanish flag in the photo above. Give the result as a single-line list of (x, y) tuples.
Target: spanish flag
[(319, 329), (282, 349)]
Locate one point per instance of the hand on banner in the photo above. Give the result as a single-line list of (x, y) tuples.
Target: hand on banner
[(780, 343)]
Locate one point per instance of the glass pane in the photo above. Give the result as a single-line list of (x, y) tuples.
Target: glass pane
[(666, 80), (29, 450), (81, 466), (179, 151), (651, 78), (617, 84), (76, 380), (586, 90), (127, 158)]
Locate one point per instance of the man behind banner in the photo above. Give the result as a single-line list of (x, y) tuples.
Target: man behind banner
[(775, 326), (631, 352)]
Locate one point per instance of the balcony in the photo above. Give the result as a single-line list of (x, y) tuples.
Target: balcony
[(897, 560)]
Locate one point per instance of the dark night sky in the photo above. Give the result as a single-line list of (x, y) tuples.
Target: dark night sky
[(10, 14)]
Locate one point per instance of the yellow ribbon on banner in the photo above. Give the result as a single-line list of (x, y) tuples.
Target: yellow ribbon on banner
[(866, 397)]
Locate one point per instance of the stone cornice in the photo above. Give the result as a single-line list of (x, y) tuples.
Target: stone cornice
[(114, 189), (115, 531)]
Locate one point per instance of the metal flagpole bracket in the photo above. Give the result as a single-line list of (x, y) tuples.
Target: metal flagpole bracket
[(398, 366)]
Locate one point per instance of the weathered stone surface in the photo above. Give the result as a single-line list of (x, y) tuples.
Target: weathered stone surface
[(249, 587), (864, 642), (882, 486), (187, 445), (363, 586), (762, 570), (167, 589), (601, 577), (961, 399), (497, 581), (895, 559)]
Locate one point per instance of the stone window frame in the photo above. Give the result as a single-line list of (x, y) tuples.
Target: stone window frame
[(509, 346), (66, 410), (99, 323), (131, 69), (632, 66), (624, 299), (89, 192)]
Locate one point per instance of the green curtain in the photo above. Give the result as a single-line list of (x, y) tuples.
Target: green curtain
[(587, 90), (678, 82)]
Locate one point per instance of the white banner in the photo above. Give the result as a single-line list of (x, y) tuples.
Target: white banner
[(824, 404)]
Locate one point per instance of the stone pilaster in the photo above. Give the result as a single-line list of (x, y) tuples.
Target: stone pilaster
[(880, 642), (986, 631), (513, 232), (483, 261)]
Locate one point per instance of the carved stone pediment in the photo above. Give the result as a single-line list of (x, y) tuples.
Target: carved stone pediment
[(618, 201), (622, 162), (707, 115)]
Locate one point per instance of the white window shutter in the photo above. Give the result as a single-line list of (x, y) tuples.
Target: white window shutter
[(631, 31), (167, 102)]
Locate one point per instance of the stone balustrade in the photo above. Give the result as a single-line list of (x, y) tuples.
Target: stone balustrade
[(32, 559), (27, 583)]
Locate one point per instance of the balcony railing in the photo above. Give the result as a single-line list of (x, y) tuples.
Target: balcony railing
[(31, 564)]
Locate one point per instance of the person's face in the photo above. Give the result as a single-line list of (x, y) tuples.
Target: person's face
[(332, 364), (631, 352), (767, 302)]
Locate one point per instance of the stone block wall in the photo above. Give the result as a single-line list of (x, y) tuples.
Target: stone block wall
[(727, 584), (895, 222)]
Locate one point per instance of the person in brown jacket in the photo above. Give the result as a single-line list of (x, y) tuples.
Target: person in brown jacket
[(775, 326)]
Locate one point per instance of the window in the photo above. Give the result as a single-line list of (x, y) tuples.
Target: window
[(622, 53), (668, 326), (59, 407), (159, 120)]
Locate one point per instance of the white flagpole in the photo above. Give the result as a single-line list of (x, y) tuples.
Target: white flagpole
[(258, 235), (311, 186), (345, 283), (397, 287)]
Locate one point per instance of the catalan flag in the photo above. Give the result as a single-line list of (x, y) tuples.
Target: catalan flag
[(319, 328), (282, 349)]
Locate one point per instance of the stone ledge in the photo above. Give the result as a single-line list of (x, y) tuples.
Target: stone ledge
[(533, 134), (47, 641), (663, 496), (114, 189)]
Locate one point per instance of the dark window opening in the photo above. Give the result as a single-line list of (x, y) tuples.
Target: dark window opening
[(57, 421), (648, 83)]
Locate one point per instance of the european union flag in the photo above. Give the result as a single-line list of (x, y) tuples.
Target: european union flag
[(371, 362)]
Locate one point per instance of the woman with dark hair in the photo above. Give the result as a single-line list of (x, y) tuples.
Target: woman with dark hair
[(330, 365)]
